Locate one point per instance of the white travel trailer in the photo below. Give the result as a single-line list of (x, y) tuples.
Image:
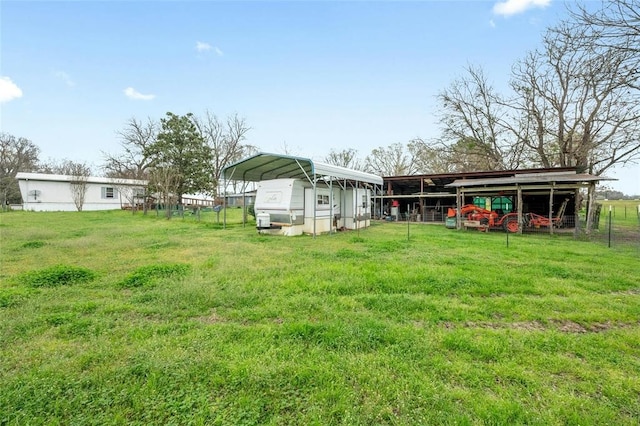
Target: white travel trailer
[(297, 196), (48, 192)]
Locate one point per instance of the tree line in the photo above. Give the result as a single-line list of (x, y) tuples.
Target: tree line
[(177, 155)]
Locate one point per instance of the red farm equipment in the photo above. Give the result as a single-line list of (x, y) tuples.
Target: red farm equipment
[(538, 221), (484, 219), (487, 219)]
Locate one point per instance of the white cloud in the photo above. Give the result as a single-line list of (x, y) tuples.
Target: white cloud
[(64, 77), (492, 24), (202, 46), (9, 90), (513, 7), (132, 93)]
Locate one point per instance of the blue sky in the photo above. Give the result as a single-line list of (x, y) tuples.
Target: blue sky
[(310, 76)]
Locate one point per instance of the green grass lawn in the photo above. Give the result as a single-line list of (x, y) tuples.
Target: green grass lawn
[(114, 318)]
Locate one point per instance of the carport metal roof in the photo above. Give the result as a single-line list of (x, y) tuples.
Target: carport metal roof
[(265, 166)]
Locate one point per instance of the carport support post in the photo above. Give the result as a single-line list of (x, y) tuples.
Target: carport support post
[(331, 213), (519, 209), (315, 202), (343, 204), (224, 210), (244, 207), (356, 206), (224, 214)]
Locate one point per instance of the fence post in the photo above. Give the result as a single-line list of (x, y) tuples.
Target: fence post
[(609, 225)]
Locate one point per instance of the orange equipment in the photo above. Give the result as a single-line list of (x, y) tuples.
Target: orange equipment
[(509, 221), (491, 219), (536, 220)]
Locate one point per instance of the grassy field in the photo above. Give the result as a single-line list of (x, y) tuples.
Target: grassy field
[(624, 212), (113, 318)]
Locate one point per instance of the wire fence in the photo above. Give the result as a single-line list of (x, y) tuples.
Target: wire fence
[(618, 225), (613, 225), (212, 215)]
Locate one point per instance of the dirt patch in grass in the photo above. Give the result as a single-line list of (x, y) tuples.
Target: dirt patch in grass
[(212, 318), (564, 326)]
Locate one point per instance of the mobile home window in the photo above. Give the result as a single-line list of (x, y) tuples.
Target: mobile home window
[(108, 192), (323, 200)]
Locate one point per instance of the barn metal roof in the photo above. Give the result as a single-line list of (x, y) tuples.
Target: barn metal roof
[(265, 166), (529, 178)]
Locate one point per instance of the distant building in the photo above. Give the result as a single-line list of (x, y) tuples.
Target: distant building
[(47, 192)]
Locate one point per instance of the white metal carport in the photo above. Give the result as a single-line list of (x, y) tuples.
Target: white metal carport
[(265, 166)]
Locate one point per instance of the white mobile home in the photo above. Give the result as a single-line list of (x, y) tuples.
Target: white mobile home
[(297, 196), (47, 192)]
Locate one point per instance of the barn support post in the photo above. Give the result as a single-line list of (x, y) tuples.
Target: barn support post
[(551, 209), (590, 205), (519, 192), (458, 208), (576, 213)]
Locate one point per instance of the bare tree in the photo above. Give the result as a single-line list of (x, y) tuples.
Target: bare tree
[(464, 155), (393, 160), (16, 155), (79, 173), (476, 118), (615, 25), (287, 149), (133, 162), (431, 157), (579, 101), (165, 181), (225, 139), (345, 158)]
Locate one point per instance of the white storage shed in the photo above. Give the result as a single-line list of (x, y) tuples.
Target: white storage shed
[(297, 195)]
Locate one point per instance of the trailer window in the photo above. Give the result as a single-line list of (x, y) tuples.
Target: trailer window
[(108, 192), (323, 200)]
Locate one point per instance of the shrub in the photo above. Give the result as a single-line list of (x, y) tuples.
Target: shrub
[(146, 275), (33, 244), (57, 275)]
